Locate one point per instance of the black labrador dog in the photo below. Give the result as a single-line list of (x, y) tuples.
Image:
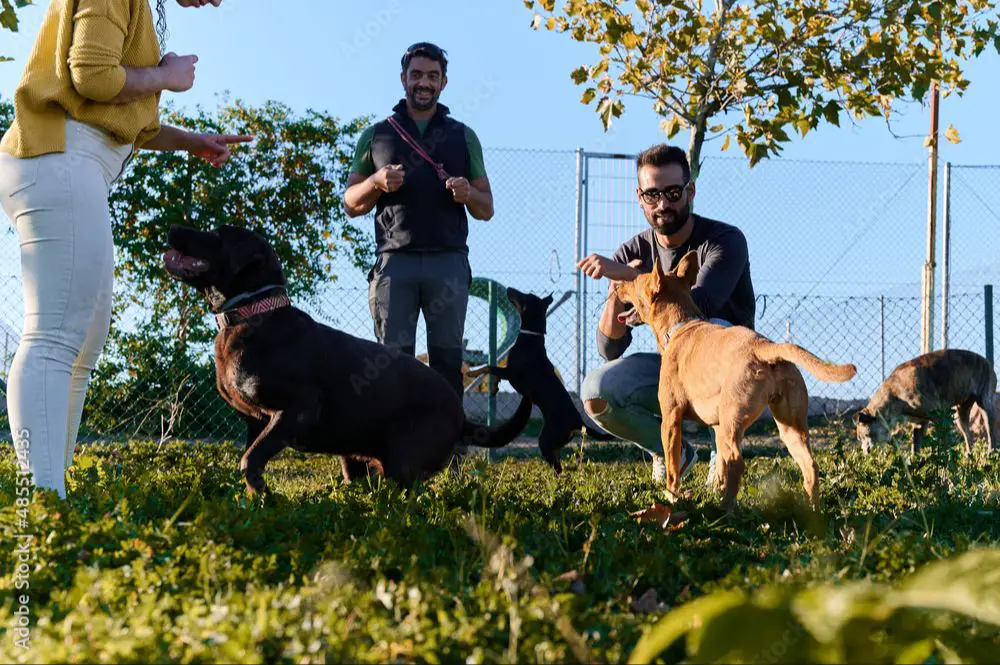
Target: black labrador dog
[(302, 384), (533, 376)]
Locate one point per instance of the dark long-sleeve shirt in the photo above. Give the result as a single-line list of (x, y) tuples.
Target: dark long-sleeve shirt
[(723, 289)]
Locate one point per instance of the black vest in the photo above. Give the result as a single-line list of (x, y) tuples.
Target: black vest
[(421, 215)]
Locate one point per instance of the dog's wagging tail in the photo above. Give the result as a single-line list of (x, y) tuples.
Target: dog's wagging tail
[(794, 353), (482, 436)]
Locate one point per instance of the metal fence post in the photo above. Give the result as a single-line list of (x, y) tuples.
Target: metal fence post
[(585, 228), (491, 413), (945, 254), (988, 303), (579, 275), (881, 335), (927, 309)]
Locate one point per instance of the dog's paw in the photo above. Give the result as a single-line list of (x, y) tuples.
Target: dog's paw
[(675, 496), (254, 483), (552, 458), (728, 506)]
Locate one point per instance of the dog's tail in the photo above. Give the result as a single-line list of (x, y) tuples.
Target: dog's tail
[(819, 368), (482, 436)]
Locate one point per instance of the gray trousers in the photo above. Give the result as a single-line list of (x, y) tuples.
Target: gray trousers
[(402, 285)]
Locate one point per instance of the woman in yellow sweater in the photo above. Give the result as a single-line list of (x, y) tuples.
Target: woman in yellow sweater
[(87, 100)]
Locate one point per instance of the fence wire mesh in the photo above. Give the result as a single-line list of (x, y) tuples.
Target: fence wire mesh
[(836, 254)]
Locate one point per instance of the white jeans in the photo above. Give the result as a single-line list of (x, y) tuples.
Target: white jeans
[(58, 204)]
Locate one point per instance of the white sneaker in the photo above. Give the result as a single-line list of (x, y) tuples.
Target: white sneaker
[(710, 478), (659, 469), (688, 458)]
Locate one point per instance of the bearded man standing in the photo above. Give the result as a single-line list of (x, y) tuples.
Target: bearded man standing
[(421, 170)]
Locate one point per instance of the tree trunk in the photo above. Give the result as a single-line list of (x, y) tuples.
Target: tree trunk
[(706, 107), (694, 147)]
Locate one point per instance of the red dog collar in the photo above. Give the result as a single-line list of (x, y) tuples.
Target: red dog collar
[(241, 314)]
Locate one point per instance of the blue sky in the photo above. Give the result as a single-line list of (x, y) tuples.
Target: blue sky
[(840, 213), (343, 57)]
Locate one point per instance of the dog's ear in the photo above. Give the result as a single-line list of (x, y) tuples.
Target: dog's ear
[(244, 253), (658, 273), (244, 246), (547, 300), (687, 269), (516, 298)]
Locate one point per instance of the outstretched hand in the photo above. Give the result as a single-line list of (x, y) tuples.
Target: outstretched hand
[(598, 266), (214, 148)]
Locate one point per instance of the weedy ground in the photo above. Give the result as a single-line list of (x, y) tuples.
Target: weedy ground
[(158, 555)]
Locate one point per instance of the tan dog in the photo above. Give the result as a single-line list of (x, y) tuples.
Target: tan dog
[(723, 377), (978, 420), (940, 380)]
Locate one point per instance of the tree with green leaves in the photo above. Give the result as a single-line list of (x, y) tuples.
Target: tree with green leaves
[(8, 18), (761, 69), (157, 374)]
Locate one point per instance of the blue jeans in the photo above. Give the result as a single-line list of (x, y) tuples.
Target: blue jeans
[(629, 385)]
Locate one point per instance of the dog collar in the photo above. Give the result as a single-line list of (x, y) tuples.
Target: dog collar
[(231, 317), (532, 332), (229, 304), (677, 326)]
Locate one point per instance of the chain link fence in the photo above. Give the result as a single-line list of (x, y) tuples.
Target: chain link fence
[(836, 254)]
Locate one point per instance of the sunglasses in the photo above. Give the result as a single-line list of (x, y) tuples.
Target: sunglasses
[(672, 194), (427, 47)]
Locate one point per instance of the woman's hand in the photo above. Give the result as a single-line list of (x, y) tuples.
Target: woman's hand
[(214, 148), (177, 71)]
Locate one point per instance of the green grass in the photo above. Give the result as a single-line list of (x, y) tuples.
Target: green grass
[(158, 555)]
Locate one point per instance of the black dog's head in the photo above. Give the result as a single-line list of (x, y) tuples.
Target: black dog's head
[(532, 308), (223, 263)]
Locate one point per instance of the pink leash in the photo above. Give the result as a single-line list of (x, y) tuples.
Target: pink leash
[(439, 168)]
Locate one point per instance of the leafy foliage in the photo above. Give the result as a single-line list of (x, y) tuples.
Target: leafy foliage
[(287, 185), (8, 18), (857, 622), (760, 70), (157, 555)]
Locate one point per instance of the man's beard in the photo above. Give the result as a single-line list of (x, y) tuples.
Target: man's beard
[(671, 221), (422, 105)]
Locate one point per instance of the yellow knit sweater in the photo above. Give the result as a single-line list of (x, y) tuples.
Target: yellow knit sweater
[(76, 68)]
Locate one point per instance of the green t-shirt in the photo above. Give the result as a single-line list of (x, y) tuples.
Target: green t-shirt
[(363, 164)]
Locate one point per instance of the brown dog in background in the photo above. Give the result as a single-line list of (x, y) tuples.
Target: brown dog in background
[(979, 422), (723, 377), (949, 379)]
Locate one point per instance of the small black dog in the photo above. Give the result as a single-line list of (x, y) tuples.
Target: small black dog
[(301, 384), (533, 375)]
